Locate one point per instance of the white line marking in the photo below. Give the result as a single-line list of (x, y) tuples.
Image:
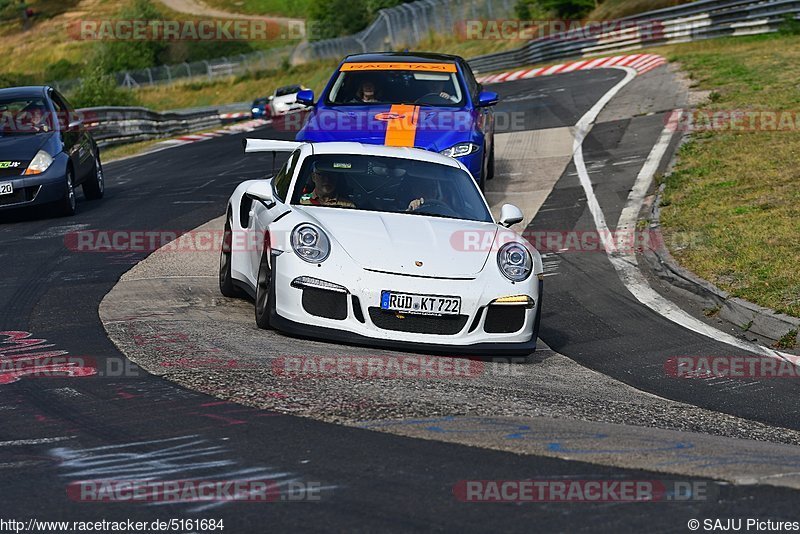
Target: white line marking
[(37, 441), (625, 263)]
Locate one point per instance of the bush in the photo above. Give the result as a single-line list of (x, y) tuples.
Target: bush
[(12, 79), (790, 26), (564, 9), (99, 89), (62, 70), (190, 51)]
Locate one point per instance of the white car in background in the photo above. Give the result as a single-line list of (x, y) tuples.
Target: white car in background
[(284, 100), (378, 257)]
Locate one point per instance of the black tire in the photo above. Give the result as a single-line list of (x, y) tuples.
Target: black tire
[(264, 294), (68, 205), (94, 187), (226, 285), (490, 166)]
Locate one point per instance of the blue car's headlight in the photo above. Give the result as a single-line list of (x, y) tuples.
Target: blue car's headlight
[(40, 163), (310, 243), (461, 149), (515, 262)]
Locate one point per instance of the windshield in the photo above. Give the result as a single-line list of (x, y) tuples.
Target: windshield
[(288, 90), (24, 116), (391, 185), (396, 87)]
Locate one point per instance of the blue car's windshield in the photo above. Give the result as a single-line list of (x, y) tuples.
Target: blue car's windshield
[(396, 87), (25, 116), (392, 185)]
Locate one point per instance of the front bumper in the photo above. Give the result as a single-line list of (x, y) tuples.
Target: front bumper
[(38, 189), (285, 109), (359, 320)]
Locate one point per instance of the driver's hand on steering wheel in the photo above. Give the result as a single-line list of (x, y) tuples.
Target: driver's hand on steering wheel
[(415, 204), (445, 95)]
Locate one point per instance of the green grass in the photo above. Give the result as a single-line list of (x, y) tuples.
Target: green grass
[(129, 149), (740, 190), (284, 8)]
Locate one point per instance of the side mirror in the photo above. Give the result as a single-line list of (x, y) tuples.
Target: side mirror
[(306, 97), (510, 215), (262, 192), (487, 98)]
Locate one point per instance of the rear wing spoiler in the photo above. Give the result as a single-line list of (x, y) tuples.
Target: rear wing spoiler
[(269, 145)]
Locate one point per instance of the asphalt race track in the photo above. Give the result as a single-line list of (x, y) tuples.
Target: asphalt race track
[(123, 422)]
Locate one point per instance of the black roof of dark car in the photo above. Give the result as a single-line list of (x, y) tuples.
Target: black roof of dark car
[(419, 57), (22, 92)]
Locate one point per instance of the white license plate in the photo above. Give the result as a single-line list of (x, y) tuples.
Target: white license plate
[(6, 188), (420, 304)]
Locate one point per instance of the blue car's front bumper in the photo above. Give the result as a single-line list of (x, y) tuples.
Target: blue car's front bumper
[(38, 189)]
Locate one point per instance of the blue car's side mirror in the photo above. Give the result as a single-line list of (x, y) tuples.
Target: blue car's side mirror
[(487, 98), (305, 97)]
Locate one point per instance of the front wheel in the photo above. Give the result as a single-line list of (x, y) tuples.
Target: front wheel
[(68, 204), (490, 166), (94, 187), (226, 285), (264, 294)]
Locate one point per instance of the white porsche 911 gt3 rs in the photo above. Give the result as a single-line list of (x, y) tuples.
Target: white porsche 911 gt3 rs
[(384, 246)]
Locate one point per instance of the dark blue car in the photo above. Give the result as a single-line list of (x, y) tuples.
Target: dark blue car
[(428, 101), (45, 151)]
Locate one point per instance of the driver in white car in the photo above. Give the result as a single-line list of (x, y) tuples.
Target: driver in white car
[(424, 189), (326, 191)]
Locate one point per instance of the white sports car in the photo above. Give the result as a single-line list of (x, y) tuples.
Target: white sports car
[(284, 100), (384, 246)]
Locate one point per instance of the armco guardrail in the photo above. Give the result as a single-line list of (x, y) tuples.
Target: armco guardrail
[(695, 21), (116, 125)]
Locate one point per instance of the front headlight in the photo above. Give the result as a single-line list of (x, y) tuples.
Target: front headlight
[(40, 163), (515, 262), (461, 149), (310, 243)]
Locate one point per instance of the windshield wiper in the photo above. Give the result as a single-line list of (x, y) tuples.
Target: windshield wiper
[(437, 215)]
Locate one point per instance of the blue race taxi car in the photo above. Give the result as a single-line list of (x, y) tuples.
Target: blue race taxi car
[(422, 100)]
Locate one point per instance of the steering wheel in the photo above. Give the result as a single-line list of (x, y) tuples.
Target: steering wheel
[(443, 208), (437, 95)]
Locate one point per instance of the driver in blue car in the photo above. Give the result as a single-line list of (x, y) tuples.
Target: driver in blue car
[(441, 88)]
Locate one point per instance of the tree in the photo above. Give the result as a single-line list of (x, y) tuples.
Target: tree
[(337, 18), (115, 56)]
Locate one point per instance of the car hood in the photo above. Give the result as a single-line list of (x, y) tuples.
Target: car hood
[(435, 128), (403, 243), (22, 147), (285, 100)]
